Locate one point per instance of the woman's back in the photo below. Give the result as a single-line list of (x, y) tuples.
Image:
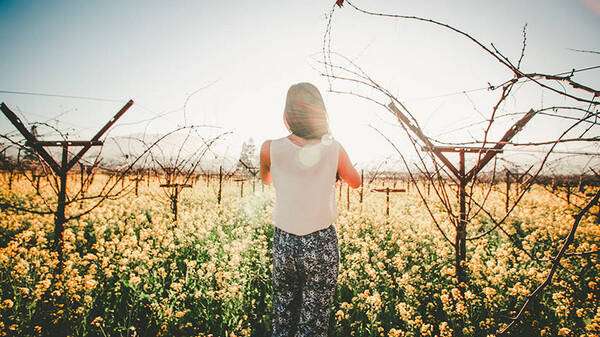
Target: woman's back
[(304, 181), (306, 255)]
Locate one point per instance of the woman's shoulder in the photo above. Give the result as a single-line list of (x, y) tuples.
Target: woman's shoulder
[(274, 140), (266, 145)]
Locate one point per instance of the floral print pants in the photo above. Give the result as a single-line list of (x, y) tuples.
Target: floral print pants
[(305, 271)]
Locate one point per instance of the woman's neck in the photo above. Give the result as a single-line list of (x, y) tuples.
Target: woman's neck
[(301, 141)]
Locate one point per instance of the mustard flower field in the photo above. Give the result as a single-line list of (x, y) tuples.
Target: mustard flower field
[(130, 270)]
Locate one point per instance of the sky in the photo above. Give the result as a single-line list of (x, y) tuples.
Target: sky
[(229, 65)]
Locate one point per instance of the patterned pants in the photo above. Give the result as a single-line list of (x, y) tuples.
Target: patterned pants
[(305, 271)]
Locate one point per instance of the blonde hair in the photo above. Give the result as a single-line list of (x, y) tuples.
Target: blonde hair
[(305, 111)]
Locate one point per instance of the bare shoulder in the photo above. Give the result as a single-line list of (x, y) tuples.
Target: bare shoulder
[(265, 150), (265, 145)]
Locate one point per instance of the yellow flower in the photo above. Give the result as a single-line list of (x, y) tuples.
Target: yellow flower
[(37, 329), (98, 321), (7, 303), (395, 333), (134, 280), (564, 331)]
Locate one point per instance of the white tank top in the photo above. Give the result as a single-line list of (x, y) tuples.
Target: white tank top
[(304, 181)]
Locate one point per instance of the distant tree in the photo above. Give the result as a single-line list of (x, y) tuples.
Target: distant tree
[(248, 159)]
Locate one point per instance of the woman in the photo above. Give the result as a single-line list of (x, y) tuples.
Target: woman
[(303, 167)]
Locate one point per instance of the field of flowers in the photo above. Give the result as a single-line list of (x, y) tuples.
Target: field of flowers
[(131, 271)]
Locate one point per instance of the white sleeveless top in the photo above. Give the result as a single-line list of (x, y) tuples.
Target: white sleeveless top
[(304, 181)]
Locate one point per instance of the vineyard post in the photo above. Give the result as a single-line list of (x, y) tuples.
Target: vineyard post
[(175, 195), (174, 201), (347, 197), (81, 183), (581, 185), (137, 180), (36, 177), (387, 201), (60, 211), (461, 230), (460, 239), (90, 175), (62, 169), (507, 190), (11, 175), (362, 174), (241, 181), (463, 178), (387, 191), (220, 184)]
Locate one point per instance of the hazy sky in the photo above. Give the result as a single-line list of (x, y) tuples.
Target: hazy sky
[(247, 54)]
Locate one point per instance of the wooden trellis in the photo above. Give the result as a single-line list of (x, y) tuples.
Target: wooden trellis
[(174, 195), (461, 175), (62, 168), (387, 192)]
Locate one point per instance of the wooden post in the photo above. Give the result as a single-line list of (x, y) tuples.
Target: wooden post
[(81, 183), (463, 179), (137, 180), (362, 172), (11, 176), (62, 169), (174, 202), (461, 231), (387, 201), (59, 216), (507, 190), (347, 197), (220, 184), (387, 191), (174, 196), (241, 181), (37, 184)]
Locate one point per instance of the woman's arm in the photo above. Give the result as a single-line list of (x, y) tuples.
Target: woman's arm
[(265, 162), (346, 171)]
